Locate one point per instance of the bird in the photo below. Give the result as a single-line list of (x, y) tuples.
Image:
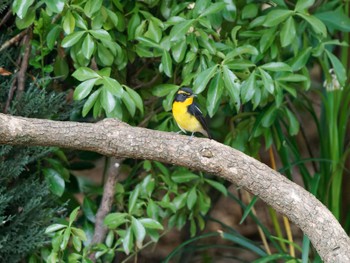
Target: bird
[(187, 114)]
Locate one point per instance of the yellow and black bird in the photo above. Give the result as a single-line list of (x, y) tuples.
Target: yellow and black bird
[(187, 114)]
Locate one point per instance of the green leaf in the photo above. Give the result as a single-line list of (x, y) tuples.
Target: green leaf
[(66, 236), (315, 23), (55, 6), (100, 35), (113, 86), (134, 22), (128, 241), (248, 209), (164, 89), (179, 50), (267, 39), (183, 177), (230, 11), (54, 228), (76, 243), (292, 78), (72, 39), (245, 49), (215, 90), (26, 21), (335, 19), (105, 55), (79, 233), (250, 11), (139, 231), (105, 72), (248, 88), (300, 60), (218, 186), (133, 199), (168, 101), (193, 227), (179, 30), (55, 181), (107, 100), (154, 32), (240, 64), (276, 66), (68, 23), (148, 42), (84, 89), (232, 85), (303, 4), (192, 198), (91, 7), (97, 110), (113, 220), (276, 17), (113, 17), (269, 116), (267, 81), (89, 209), (293, 126), (167, 63), (110, 238), (136, 98), (73, 215), (129, 103), (84, 73), (338, 67), (88, 46), (213, 8), (151, 223), (90, 102), (288, 32), (79, 21), (52, 36), (203, 78), (20, 7), (152, 209)]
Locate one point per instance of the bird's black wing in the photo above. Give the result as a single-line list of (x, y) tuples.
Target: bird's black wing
[(195, 111)]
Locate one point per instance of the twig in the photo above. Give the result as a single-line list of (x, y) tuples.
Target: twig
[(13, 40), (106, 203), (13, 86), (6, 17), (146, 84), (21, 76)]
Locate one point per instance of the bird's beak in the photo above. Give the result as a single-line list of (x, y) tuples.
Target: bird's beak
[(194, 95)]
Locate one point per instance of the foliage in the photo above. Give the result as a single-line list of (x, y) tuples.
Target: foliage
[(26, 205), (248, 61)]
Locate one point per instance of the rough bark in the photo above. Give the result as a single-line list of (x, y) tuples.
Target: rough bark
[(115, 138)]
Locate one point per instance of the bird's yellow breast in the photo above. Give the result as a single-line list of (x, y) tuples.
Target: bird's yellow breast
[(183, 118)]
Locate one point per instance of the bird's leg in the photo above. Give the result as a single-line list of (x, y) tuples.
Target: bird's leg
[(191, 136)]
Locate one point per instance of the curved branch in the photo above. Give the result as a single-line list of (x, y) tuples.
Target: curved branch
[(115, 138)]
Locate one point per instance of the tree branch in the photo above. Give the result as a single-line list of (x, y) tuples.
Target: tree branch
[(115, 138), (106, 203)]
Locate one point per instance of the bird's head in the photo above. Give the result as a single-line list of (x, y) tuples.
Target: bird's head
[(184, 95)]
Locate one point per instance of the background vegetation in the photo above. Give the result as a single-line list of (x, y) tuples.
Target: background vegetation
[(271, 75)]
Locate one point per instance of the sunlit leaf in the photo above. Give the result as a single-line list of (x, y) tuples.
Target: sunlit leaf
[(203, 78), (180, 29), (248, 88), (277, 16), (84, 89), (216, 87), (72, 39), (138, 230)]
